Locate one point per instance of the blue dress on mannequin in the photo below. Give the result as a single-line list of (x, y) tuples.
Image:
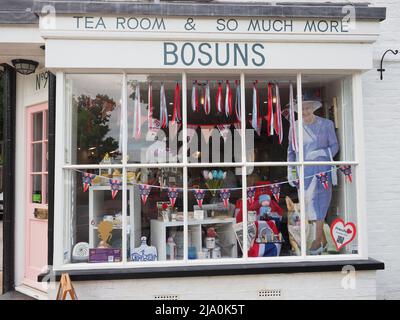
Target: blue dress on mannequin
[(319, 144)]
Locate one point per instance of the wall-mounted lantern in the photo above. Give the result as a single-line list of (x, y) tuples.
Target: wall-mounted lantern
[(25, 67)]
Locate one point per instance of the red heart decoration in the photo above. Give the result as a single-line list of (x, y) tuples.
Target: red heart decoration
[(342, 233)]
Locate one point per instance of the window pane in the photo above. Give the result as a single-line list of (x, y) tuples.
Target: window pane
[(213, 196), (274, 211), (37, 157), (37, 130), (330, 206), (155, 127), (268, 114), (327, 118), (93, 106), (155, 210), (94, 217), (36, 188), (213, 110)]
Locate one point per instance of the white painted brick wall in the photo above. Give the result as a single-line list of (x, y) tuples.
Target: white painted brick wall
[(294, 286)]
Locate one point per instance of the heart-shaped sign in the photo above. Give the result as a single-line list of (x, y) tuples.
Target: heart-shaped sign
[(342, 233)]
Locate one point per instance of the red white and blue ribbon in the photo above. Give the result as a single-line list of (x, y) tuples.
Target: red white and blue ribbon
[(144, 191), (176, 116), (346, 170), (199, 196), (323, 179), (195, 97), (115, 187), (172, 195), (238, 102), (228, 99), (278, 115), (137, 114), (163, 108), (207, 99), (255, 117), (219, 98), (225, 194), (251, 193), (87, 179), (270, 115), (293, 132), (150, 106), (276, 191)]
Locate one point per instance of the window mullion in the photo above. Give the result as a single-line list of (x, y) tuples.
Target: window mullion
[(244, 167), (301, 159), (185, 169), (123, 123)]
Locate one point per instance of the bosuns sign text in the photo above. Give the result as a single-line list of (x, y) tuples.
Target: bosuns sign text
[(205, 54)]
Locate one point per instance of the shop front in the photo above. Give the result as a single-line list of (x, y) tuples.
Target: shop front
[(168, 116)]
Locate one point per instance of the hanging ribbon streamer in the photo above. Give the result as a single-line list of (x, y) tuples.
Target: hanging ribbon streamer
[(137, 114), (278, 115), (251, 193), (199, 196), (144, 191), (270, 115), (323, 178), (87, 180), (276, 191), (176, 116), (238, 102), (172, 195), (207, 100), (195, 97), (225, 194), (150, 107), (346, 170), (228, 99), (219, 98), (163, 108), (256, 119), (115, 187), (293, 133)]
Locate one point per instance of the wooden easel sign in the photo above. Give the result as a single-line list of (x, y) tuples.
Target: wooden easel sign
[(65, 288)]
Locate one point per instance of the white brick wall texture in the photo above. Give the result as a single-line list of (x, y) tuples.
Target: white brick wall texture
[(306, 286)]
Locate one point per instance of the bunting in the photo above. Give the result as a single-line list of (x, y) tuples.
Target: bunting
[(87, 180), (251, 193), (225, 194), (172, 195), (144, 191), (276, 190), (199, 196), (346, 170), (115, 185), (323, 179)]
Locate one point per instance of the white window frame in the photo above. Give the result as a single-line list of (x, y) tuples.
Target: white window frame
[(61, 198)]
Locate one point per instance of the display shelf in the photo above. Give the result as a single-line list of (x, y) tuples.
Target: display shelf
[(160, 231), (97, 194)]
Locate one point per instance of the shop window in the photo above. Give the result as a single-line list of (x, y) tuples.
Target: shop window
[(134, 196), (93, 119)]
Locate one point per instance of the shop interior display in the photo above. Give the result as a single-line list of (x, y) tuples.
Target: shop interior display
[(155, 218)]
